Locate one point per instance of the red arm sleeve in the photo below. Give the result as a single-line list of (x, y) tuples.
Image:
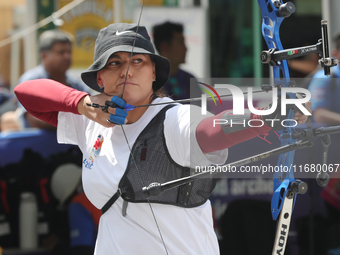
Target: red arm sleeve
[(212, 138), (44, 98)]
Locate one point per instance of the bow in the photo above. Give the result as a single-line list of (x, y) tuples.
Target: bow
[(272, 16), (284, 197)]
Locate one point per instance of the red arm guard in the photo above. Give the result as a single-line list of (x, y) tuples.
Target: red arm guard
[(212, 138), (44, 98)]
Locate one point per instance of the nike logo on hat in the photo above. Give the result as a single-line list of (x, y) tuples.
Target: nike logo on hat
[(120, 33)]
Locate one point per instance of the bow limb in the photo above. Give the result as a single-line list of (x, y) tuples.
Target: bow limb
[(127, 141)]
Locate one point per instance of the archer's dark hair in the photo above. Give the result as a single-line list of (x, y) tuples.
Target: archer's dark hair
[(165, 32), (159, 93), (156, 93), (48, 38)]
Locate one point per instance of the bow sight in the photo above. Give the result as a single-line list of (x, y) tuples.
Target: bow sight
[(274, 56)]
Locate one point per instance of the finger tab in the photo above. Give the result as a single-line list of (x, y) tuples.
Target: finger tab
[(120, 112), (118, 101)]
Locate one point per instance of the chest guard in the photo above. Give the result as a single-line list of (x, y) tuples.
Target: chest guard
[(155, 164)]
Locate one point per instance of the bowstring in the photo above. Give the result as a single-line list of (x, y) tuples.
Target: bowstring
[(127, 141), (133, 47), (142, 183)]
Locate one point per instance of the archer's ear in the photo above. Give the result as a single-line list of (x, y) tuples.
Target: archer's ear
[(154, 71), (99, 80)]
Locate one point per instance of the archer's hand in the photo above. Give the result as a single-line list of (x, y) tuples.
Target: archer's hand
[(301, 118), (298, 116), (109, 117)]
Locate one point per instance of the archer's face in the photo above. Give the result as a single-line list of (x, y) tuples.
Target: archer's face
[(140, 75)]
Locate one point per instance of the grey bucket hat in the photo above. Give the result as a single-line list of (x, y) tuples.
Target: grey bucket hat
[(120, 37)]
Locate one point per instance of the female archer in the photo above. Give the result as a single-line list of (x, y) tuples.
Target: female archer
[(124, 151)]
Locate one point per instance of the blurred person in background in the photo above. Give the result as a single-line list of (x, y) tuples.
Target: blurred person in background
[(55, 49), (170, 43), (76, 224), (331, 196), (326, 92), (3, 85), (304, 69), (8, 101)]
